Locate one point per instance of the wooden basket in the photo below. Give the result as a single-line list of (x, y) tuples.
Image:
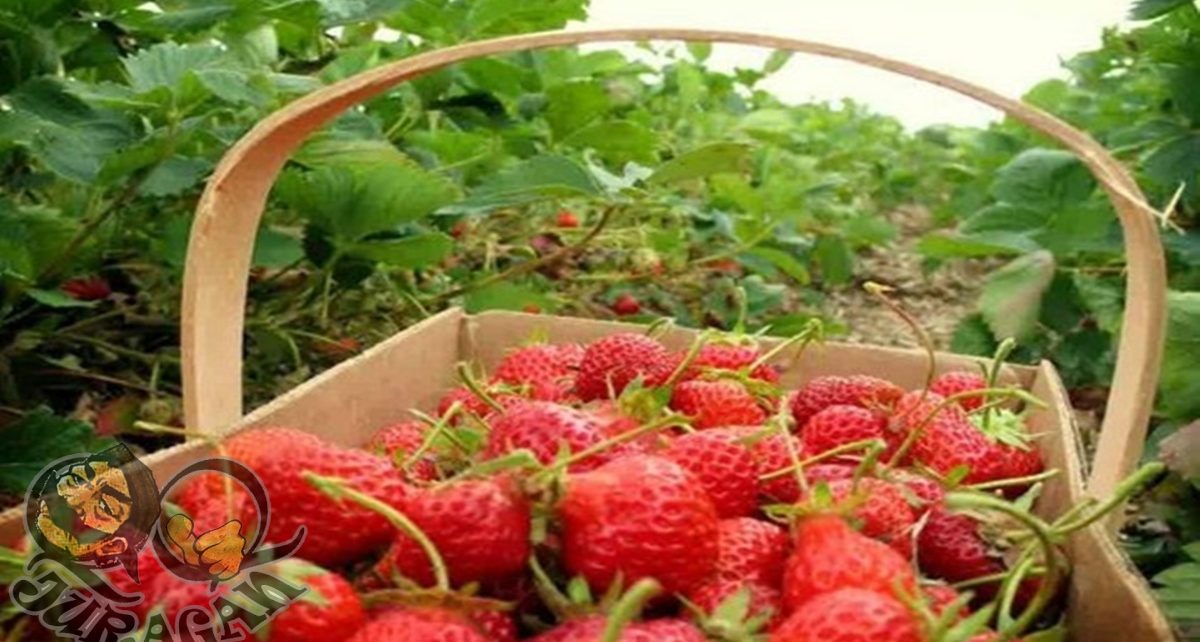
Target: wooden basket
[(1109, 600)]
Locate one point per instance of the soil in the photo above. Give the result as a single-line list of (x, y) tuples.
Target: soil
[(937, 298)]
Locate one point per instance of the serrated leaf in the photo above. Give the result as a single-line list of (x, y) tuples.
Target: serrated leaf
[(166, 64), (1043, 179), (1004, 217), (506, 296), (37, 439), (193, 15), (617, 142), (1012, 296), (57, 299), (329, 149), (409, 253), (784, 262), (1104, 299), (275, 249), (1151, 9), (78, 153), (235, 86), (174, 176), (538, 178), (700, 51), (706, 160), (972, 336), (574, 105), (520, 16), (1179, 387), (49, 100)]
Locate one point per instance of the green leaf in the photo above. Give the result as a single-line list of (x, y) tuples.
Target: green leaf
[(1174, 162), (193, 15), (48, 100), (275, 249), (835, 259), (329, 149), (972, 336), (1012, 296), (617, 142), (78, 153), (574, 105), (166, 64), (700, 51), (57, 299), (521, 16), (409, 253), (32, 237), (506, 296), (1151, 9), (784, 261), (37, 439), (538, 178), (235, 86), (1179, 387), (1043, 179), (776, 61), (951, 246), (1004, 217), (706, 160), (345, 12), (1185, 90), (174, 176), (1104, 299)]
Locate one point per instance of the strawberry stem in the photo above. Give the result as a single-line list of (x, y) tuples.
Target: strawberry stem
[(554, 599), (785, 433), (472, 384), (594, 449), (880, 292), (993, 578), (1014, 481), (629, 607), (434, 432), (449, 434), (993, 374), (160, 429), (1125, 490), (686, 362), (338, 490), (853, 446), (915, 433), (659, 327), (813, 330)]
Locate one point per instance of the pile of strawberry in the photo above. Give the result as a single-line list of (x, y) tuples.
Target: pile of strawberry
[(623, 491)]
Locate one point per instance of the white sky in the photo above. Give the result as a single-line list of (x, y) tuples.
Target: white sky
[(1006, 45)]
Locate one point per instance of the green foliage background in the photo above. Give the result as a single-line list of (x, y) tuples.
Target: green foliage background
[(700, 193)]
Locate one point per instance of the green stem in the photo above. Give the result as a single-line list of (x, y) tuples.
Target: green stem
[(880, 292), (472, 384), (992, 578), (339, 490), (686, 362), (594, 449), (993, 374), (828, 454), (629, 607), (915, 433), (1127, 488), (1015, 481), (812, 331)]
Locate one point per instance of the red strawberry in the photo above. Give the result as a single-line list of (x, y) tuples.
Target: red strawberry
[(399, 441), (639, 516), (591, 629), (772, 454), (941, 597), (850, 615), (626, 304), (149, 569), (566, 218), (548, 369), (730, 358), (857, 390), (881, 510), (420, 624), (338, 532), (722, 466), (329, 610), (925, 491), (829, 555), (480, 527), (613, 362), (952, 383), (751, 549), (950, 547), (614, 422), (713, 404), (497, 625), (544, 428), (472, 404), (91, 288), (764, 599), (837, 425), (173, 595)]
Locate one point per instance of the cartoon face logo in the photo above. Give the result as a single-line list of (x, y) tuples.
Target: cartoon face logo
[(94, 510)]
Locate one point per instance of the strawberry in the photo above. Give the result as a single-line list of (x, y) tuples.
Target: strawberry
[(497, 625), (924, 492), (771, 454), (548, 369), (420, 624), (857, 390), (764, 599), (328, 610), (722, 466), (751, 549), (591, 629), (398, 442), (472, 404), (880, 508), (954, 382), (480, 527), (837, 425), (613, 362), (248, 447), (148, 569), (850, 615), (713, 404), (636, 517), (566, 218), (829, 555), (626, 304), (614, 422), (951, 547), (90, 288), (172, 596), (729, 357), (544, 428), (941, 597)]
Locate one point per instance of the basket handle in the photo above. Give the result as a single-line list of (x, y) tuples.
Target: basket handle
[(229, 212)]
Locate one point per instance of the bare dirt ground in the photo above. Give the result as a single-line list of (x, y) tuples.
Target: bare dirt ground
[(938, 299)]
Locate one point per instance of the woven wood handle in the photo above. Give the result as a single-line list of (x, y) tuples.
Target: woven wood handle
[(228, 215)]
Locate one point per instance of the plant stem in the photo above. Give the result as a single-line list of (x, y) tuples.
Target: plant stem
[(628, 608), (915, 433), (880, 292), (1127, 488), (828, 454)]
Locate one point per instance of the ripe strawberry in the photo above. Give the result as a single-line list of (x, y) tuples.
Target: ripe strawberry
[(616, 360), (329, 610), (497, 625), (772, 455), (952, 383), (548, 369), (626, 304), (713, 404), (92, 288), (850, 615), (722, 466), (172, 596), (764, 599), (881, 510), (614, 422), (149, 569), (566, 218), (837, 425), (950, 547), (829, 555), (398, 442), (857, 390), (636, 517), (420, 624), (729, 357), (480, 527), (941, 597), (591, 629), (544, 428), (925, 492), (751, 549), (472, 404)]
